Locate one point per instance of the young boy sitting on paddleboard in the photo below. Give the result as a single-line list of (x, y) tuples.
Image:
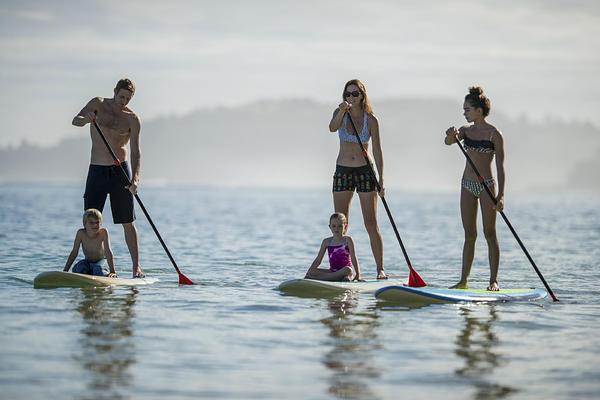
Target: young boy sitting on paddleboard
[(343, 265), (95, 242)]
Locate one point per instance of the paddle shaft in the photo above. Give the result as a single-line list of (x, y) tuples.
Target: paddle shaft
[(126, 177), (510, 227), (385, 205)]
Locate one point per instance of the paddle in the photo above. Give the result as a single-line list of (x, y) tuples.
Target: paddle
[(414, 280), (183, 280), (489, 192)]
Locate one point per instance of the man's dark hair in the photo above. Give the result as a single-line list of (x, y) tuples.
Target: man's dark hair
[(126, 84)]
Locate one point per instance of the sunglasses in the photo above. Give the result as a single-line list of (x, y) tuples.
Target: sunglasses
[(356, 93)]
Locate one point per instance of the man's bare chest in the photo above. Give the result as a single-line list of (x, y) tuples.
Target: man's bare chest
[(117, 121)]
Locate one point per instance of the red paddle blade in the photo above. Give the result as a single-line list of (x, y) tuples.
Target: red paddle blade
[(414, 280), (184, 280)]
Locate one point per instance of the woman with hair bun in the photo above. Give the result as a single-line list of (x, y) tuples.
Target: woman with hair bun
[(483, 142)]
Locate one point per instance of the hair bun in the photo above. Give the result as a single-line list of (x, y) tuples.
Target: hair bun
[(476, 90)]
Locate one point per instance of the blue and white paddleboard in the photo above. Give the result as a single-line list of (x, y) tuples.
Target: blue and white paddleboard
[(56, 279), (313, 287), (425, 295)]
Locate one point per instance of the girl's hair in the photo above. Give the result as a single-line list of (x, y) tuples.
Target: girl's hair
[(340, 217), (478, 100), (91, 213), (365, 103)]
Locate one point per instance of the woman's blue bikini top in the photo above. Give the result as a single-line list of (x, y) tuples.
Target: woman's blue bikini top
[(346, 136)]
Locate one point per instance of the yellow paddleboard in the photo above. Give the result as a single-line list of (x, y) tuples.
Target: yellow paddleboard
[(56, 279)]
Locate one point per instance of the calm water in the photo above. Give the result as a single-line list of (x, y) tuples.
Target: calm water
[(233, 336)]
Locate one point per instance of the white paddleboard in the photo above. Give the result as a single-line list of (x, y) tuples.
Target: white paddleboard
[(426, 295), (309, 287), (56, 279)]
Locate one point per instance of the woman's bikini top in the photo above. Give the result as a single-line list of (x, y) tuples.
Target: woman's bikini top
[(346, 136), (480, 146)]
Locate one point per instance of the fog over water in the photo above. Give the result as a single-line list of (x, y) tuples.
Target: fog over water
[(287, 144)]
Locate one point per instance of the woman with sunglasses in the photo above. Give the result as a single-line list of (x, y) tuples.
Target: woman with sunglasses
[(352, 173)]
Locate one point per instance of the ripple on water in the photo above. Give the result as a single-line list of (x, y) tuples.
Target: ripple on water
[(233, 336)]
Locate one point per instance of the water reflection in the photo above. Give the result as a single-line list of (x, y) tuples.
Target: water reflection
[(353, 339), (106, 341), (476, 344)]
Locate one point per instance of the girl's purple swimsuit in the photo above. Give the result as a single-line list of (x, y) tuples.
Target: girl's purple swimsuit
[(339, 257)]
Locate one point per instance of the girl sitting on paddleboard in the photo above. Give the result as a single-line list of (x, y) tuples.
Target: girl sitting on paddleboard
[(482, 142), (343, 265), (95, 242), (352, 173)]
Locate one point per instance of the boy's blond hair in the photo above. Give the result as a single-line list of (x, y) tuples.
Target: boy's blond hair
[(91, 213)]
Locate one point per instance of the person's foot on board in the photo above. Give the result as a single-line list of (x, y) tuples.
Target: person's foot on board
[(381, 275), (138, 273), (493, 287), (460, 285)]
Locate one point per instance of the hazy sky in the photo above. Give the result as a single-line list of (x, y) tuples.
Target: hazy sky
[(534, 58)]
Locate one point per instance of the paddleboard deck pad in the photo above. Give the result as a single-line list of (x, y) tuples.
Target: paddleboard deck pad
[(425, 295), (56, 279), (309, 287)]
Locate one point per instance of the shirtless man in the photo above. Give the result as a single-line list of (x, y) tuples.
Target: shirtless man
[(121, 126)]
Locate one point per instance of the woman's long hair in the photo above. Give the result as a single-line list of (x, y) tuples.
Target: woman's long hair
[(365, 103)]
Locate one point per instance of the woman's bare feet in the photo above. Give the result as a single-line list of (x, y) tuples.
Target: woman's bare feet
[(493, 287), (381, 275), (460, 285), (138, 273)]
